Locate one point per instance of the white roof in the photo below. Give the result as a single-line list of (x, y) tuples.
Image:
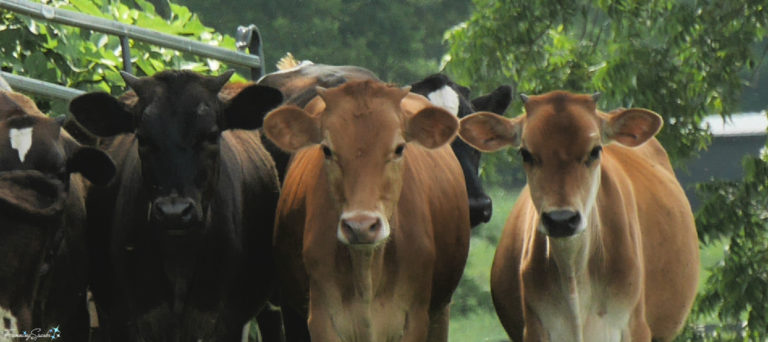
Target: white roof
[(754, 123)]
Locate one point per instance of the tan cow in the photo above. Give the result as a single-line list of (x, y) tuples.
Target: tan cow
[(372, 228), (601, 244)]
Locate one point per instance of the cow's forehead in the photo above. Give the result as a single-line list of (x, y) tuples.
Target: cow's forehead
[(23, 135), (177, 107), (562, 122), (362, 117)]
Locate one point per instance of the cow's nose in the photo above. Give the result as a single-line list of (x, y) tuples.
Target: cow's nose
[(561, 223), (174, 210), (361, 229), (480, 209)]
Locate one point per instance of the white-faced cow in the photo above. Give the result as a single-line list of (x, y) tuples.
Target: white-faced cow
[(370, 240), (186, 227), (601, 244), (43, 257), (298, 81), (442, 91)]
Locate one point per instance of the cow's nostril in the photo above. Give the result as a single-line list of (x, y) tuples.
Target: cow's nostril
[(361, 229)]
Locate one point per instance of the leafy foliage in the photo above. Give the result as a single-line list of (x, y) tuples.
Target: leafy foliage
[(679, 58), (91, 61), (737, 289), (399, 40)]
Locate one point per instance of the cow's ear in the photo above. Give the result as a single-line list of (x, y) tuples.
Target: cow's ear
[(101, 114), (432, 127), (490, 132), (631, 127), (291, 128), (496, 102), (8, 106), (248, 108), (95, 165)]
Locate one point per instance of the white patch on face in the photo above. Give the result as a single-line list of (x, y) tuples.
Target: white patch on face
[(21, 141), (447, 98)]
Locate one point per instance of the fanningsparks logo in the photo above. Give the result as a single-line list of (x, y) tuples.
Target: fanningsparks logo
[(32, 335)]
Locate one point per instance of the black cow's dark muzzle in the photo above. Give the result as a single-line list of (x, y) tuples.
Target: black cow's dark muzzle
[(175, 213), (480, 209)]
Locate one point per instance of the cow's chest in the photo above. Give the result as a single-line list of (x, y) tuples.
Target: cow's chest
[(378, 321), (585, 312)]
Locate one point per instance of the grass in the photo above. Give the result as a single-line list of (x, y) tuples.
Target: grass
[(473, 317)]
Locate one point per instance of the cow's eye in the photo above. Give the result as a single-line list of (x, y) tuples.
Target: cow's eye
[(327, 152), (594, 154), (399, 150), (527, 156)]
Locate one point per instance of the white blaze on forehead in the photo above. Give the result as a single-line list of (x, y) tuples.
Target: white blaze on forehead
[(447, 98), (21, 141)]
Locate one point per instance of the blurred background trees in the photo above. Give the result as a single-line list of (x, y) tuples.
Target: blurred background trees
[(684, 59)]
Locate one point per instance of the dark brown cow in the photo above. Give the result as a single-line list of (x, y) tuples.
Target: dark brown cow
[(185, 229), (43, 273), (601, 244), (371, 242)]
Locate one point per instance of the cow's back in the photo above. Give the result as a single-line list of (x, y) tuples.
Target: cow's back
[(669, 239)]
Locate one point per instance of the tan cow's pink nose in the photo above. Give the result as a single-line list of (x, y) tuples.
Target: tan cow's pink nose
[(361, 229)]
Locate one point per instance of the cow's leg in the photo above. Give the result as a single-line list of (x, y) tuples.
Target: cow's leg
[(295, 324), (533, 331), (438, 324), (271, 324), (638, 326)]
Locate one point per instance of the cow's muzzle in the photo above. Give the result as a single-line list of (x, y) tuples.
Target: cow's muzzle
[(561, 223), (362, 228), (175, 212), (31, 194), (480, 209)]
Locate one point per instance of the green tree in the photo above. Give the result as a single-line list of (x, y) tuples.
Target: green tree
[(401, 41), (679, 58), (91, 61), (737, 288)]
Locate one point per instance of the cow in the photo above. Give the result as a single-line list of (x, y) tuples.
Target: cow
[(297, 82), (601, 244), (442, 91), (370, 241), (44, 174), (186, 227)]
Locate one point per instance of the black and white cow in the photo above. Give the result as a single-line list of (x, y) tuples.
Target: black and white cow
[(442, 91), (186, 228), (43, 257)]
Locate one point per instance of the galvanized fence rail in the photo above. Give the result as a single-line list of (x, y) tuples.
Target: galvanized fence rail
[(248, 37)]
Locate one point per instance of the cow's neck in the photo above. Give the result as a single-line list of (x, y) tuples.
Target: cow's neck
[(366, 271), (572, 259), (366, 266)]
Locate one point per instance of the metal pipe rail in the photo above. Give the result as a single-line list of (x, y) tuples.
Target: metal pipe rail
[(31, 85), (72, 18)]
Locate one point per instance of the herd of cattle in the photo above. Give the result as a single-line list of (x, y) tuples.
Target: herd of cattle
[(333, 207)]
